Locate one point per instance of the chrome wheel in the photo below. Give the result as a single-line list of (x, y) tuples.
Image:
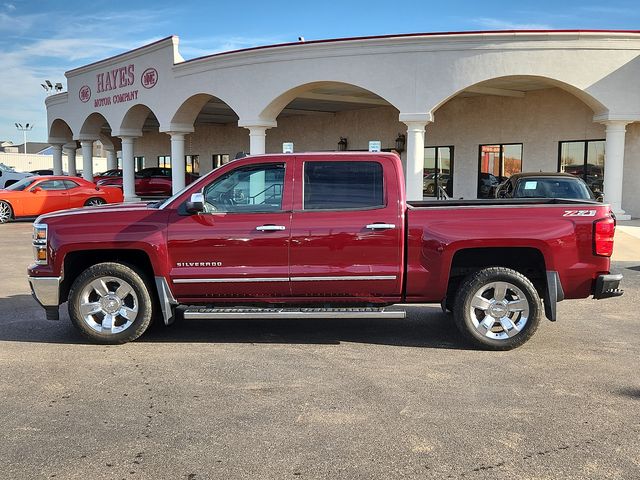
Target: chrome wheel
[(108, 305), (5, 212), (499, 310), (93, 202)]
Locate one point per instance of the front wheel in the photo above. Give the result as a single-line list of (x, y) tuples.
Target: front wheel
[(6, 213), (110, 303), (497, 308)]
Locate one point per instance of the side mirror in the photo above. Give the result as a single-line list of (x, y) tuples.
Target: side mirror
[(196, 204), (36, 190)]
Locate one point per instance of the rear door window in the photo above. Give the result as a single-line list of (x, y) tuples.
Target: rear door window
[(343, 185)]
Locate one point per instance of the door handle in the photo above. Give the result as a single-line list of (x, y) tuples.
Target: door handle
[(380, 226), (270, 228)]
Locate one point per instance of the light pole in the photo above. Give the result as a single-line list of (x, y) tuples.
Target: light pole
[(24, 129)]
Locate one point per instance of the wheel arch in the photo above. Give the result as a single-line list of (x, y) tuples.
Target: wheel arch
[(529, 261), (75, 262)]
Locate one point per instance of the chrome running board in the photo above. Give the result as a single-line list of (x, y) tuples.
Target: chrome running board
[(221, 313)]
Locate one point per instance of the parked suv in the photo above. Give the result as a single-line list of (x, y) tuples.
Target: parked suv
[(9, 176), (545, 185)]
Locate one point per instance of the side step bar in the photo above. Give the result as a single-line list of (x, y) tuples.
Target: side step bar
[(220, 313)]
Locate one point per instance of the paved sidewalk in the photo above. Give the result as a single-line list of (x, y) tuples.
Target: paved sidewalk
[(627, 242)]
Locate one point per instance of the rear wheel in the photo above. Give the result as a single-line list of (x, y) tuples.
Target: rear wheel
[(497, 308), (92, 202), (6, 212), (110, 303)]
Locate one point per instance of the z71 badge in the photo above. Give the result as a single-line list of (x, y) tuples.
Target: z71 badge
[(579, 213)]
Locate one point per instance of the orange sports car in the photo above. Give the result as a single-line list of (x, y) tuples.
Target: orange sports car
[(33, 196)]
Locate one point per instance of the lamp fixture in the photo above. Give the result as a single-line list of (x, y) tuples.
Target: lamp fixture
[(342, 144), (401, 140)]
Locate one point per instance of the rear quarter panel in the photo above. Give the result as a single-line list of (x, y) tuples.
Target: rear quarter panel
[(566, 243)]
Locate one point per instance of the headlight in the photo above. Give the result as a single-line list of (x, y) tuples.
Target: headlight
[(40, 239)]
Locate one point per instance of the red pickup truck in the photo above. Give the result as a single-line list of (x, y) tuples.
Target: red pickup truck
[(320, 235)]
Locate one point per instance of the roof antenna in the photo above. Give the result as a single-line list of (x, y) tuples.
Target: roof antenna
[(301, 39)]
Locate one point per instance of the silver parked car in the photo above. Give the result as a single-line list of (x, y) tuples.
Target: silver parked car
[(9, 176)]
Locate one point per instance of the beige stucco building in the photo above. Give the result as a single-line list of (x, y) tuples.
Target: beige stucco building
[(464, 109)]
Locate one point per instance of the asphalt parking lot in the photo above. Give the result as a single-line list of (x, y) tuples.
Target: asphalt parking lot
[(319, 399)]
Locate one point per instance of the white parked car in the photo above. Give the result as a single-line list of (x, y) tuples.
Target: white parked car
[(9, 176)]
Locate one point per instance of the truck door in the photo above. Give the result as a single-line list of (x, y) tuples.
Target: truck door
[(239, 247), (346, 234)]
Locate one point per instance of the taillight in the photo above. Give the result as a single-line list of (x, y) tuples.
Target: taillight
[(603, 231)]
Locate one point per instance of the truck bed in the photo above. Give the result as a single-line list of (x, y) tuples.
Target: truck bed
[(499, 202)]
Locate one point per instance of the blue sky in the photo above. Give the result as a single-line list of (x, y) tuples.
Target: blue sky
[(41, 40)]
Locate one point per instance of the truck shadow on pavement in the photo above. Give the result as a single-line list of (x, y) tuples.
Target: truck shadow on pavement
[(22, 320)]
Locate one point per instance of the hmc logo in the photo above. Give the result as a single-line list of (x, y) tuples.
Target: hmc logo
[(149, 78), (84, 94)]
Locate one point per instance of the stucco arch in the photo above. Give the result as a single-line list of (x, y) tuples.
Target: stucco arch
[(188, 110), (60, 132), (92, 126), (592, 102), (275, 106), (134, 119)]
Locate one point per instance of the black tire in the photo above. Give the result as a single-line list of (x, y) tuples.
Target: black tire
[(143, 300), (431, 188), (497, 337), (6, 212), (94, 201)]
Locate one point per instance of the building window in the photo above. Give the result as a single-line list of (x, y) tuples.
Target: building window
[(193, 164), (220, 159), (496, 163), (438, 171), (139, 163), (164, 161), (585, 159)]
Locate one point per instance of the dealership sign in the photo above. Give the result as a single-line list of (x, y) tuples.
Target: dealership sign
[(116, 80)]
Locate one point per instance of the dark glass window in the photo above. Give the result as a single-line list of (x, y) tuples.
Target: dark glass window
[(254, 188), (438, 171), (496, 164), (69, 184), (220, 159), (139, 163), (343, 185), (192, 164), (584, 159), (164, 161)]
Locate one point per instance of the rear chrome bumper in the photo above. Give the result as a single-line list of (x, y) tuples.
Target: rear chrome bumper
[(607, 286), (46, 290)]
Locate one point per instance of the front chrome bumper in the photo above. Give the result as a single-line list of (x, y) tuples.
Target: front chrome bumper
[(46, 290)]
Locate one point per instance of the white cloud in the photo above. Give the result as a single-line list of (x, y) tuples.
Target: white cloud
[(36, 47), (498, 24)]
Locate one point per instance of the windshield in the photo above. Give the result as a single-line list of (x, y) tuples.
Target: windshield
[(5, 168), (21, 185), (553, 188)]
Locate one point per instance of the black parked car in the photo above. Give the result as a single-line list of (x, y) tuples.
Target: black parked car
[(545, 185)]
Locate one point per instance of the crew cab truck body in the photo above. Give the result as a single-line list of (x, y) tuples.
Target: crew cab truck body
[(322, 235)]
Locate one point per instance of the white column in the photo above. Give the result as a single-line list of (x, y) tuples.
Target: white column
[(613, 166), (415, 155), (257, 140), (128, 170), (87, 159), (178, 168), (112, 160), (257, 133), (57, 159), (71, 160)]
